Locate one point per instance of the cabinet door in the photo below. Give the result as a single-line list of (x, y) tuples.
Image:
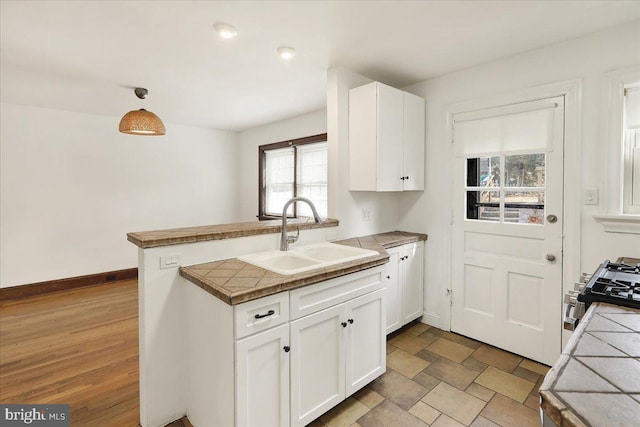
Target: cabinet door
[(262, 380), (412, 282), (390, 125), (413, 142), (363, 137), (365, 344), (391, 280), (317, 364)]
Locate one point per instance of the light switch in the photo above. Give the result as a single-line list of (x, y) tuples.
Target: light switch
[(591, 197)]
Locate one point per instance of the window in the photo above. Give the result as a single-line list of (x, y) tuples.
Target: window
[(506, 188), (631, 136), (293, 168), (621, 211)]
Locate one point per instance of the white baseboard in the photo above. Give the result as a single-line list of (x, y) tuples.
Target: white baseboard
[(431, 320)]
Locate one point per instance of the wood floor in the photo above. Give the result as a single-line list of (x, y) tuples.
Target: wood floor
[(78, 347)]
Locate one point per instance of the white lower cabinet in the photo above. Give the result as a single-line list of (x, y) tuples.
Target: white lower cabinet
[(412, 282), (317, 364), (262, 379), (334, 353), (394, 290), (404, 284), (366, 344), (299, 353)]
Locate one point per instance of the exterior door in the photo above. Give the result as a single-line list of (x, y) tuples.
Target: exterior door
[(507, 227)]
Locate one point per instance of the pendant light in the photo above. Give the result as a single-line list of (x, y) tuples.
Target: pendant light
[(141, 122)]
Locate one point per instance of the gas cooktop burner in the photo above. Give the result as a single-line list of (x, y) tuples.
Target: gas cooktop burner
[(621, 267), (613, 283)]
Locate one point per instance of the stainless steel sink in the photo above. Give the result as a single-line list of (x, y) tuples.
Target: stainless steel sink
[(306, 258)]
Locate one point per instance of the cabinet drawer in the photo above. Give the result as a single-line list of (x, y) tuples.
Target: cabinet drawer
[(317, 297), (258, 315)]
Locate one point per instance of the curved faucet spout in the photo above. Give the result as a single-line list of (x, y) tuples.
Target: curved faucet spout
[(286, 239)]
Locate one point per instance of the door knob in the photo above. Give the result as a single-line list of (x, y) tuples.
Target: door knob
[(552, 218), (550, 257)]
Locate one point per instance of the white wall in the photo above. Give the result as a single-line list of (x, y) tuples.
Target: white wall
[(587, 58), (296, 127), (72, 186)]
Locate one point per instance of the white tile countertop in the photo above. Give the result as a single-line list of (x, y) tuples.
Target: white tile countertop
[(596, 380)]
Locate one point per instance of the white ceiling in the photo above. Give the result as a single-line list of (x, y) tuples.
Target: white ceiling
[(85, 55)]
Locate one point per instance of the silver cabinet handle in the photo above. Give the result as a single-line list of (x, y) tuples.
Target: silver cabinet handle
[(550, 257)]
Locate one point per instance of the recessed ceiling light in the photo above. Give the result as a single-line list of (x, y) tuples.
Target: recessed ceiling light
[(286, 53), (226, 31)]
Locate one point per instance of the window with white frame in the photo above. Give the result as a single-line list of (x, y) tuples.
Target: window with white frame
[(631, 151), (293, 168)]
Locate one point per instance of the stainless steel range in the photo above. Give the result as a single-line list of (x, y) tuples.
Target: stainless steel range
[(614, 283)]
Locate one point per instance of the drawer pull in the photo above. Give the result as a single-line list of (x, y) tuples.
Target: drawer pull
[(269, 313), (350, 321), (344, 324)]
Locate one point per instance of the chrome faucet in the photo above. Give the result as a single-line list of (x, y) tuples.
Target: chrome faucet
[(285, 239)]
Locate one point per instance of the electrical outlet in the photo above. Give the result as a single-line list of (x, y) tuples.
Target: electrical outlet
[(591, 197), (170, 261), (366, 214)]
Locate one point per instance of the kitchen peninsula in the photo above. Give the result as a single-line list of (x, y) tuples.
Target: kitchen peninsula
[(192, 318)]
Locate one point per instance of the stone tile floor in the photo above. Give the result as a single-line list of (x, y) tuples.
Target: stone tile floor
[(441, 379)]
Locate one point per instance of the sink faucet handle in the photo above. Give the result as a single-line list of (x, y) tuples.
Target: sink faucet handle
[(293, 239)]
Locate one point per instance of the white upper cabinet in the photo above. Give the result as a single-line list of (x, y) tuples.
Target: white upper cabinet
[(386, 139), (413, 142)]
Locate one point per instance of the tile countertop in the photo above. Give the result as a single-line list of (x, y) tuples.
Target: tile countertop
[(234, 281), (596, 380), (177, 236)]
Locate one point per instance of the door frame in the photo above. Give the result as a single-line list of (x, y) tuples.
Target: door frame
[(572, 162)]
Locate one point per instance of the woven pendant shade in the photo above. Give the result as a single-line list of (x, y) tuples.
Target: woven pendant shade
[(142, 122)]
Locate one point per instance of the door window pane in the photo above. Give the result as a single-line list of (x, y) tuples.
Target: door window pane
[(483, 205), (524, 170), (483, 172), (520, 200), (524, 207)]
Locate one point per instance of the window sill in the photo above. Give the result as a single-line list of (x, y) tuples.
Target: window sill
[(619, 223)]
